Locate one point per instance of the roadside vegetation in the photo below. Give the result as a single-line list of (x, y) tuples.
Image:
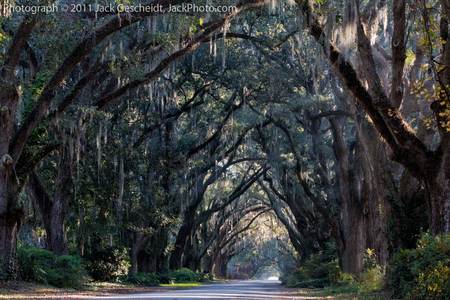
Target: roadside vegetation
[(70, 271), (418, 273)]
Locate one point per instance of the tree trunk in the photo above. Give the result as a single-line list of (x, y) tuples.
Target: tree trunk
[(351, 213), (53, 210), (191, 255), (207, 263), (134, 260), (176, 257), (9, 228), (151, 256), (188, 254), (219, 268), (63, 193), (58, 242), (138, 242), (377, 190), (41, 200), (354, 242), (10, 215), (162, 240), (438, 190)]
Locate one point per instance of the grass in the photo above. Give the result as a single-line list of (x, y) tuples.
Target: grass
[(181, 285), (337, 290), (350, 291)]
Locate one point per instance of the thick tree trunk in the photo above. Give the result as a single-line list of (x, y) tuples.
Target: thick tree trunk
[(219, 268), (161, 257), (176, 257), (354, 240), (9, 227), (53, 210), (377, 189), (365, 187), (352, 225), (189, 261), (58, 242), (438, 190), (188, 254), (41, 200), (150, 257), (134, 260), (207, 263), (63, 193), (138, 243), (10, 216), (409, 212), (191, 255)]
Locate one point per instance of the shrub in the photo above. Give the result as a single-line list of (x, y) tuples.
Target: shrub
[(345, 279), (108, 264), (43, 266), (185, 275), (207, 277), (423, 272), (312, 283), (165, 278), (145, 279), (317, 272), (371, 280), (372, 277)]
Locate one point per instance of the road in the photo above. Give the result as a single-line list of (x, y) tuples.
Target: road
[(250, 290)]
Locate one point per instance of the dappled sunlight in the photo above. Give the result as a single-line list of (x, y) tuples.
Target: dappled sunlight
[(250, 290)]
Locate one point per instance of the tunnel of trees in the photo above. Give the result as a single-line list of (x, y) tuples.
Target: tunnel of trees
[(228, 143)]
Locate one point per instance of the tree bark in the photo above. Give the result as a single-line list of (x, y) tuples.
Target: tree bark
[(58, 242), (438, 191), (176, 257), (10, 215), (42, 201), (53, 210), (219, 267), (9, 227), (138, 243), (352, 225)]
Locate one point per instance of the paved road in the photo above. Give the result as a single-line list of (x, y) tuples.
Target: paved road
[(250, 290)]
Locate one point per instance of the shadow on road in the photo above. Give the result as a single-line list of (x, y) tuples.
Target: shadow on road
[(251, 290)]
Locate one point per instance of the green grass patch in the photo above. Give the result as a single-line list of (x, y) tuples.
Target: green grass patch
[(182, 284), (337, 290), (348, 292)]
